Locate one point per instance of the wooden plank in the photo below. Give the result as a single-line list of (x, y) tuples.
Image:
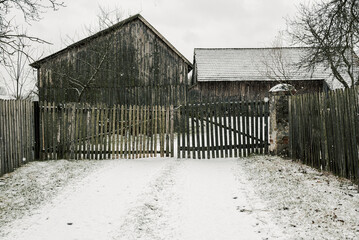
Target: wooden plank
[(266, 124), (208, 133), (155, 130), (220, 113), (261, 130), (148, 131), (167, 135), (143, 131), (137, 134), (180, 129), (198, 138), (235, 133), (247, 128), (172, 130), (152, 132), (202, 116), (80, 112), (130, 134), (217, 128), (126, 130), (187, 130), (211, 117), (122, 132), (256, 126), (230, 131), (2, 147), (183, 128), (191, 130), (111, 131), (225, 125), (240, 130), (252, 110), (162, 130)]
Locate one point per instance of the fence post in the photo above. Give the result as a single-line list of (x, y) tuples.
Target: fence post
[(279, 119)]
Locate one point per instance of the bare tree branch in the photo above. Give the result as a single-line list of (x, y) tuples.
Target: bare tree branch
[(331, 31)]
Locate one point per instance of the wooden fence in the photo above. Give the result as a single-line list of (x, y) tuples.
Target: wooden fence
[(16, 134), (324, 131), (81, 131), (224, 129)]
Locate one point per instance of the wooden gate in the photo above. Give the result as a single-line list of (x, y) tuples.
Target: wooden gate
[(81, 131), (224, 129)]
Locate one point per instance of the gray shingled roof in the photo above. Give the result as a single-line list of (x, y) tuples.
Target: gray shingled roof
[(252, 64)]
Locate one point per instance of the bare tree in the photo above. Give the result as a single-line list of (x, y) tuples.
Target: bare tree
[(18, 77), (331, 31), (275, 65), (99, 53), (10, 31)]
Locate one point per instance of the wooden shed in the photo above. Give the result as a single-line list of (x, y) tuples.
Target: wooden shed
[(233, 73), (128, 63)]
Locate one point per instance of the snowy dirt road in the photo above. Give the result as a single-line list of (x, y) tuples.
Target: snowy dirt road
[(250, 198), (149, 199)]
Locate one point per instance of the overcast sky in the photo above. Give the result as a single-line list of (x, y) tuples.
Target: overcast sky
[(187, 24)]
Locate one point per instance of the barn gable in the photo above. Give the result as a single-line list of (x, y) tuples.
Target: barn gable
[(130, 62)]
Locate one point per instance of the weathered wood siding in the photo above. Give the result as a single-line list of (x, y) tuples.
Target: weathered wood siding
[(130, 65), (224, 90)]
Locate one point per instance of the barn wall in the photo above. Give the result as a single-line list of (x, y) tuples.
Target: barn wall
[(222, 90), (129, 65)]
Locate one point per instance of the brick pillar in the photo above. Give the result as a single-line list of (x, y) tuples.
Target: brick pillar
[(279, 119)]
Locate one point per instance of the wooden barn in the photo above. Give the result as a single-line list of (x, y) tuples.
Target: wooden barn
[(228, 73), (128, 63)]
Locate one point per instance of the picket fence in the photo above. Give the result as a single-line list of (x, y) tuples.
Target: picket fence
[(324, 131), (82, 131), (223, 129), (16, 134)]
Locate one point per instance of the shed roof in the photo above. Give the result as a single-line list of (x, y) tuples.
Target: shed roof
[(118, 25), (253, 64)]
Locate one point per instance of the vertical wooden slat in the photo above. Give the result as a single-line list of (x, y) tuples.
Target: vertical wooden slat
[(155, 131), (167, 135), (137, 147), (180, 121), (230, 129), (211, 117), (187, 129), (162, 130), (266, 107), (261, 130), (235, 128), (203, 144), (252, 120), (182, 129), (122, 132), (125, 130), (172, 130), (256, 126), (208, 133), (220, 112), (130, 129), (109, 133), (217, 128), (148, 132)]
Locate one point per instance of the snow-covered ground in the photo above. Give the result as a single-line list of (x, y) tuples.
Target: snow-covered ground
[(259, 197)]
